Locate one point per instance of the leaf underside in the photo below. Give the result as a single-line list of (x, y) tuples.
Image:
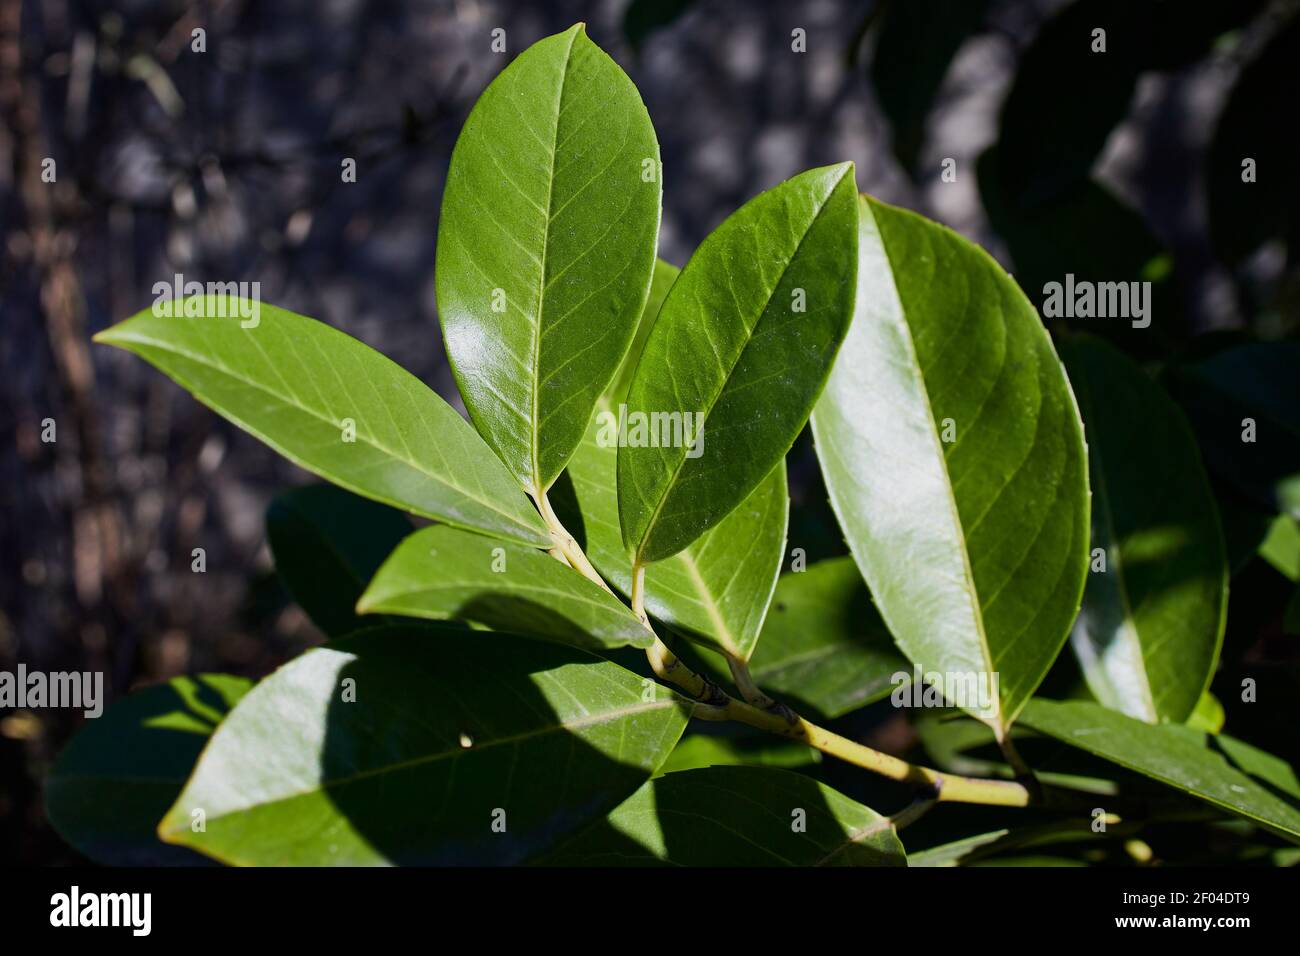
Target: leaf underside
[(1149, 631), (954, 457), (444, 574)]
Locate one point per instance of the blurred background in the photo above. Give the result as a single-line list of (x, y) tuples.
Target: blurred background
[(223, 163)]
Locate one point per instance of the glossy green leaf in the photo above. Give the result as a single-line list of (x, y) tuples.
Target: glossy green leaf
[(121, 772), (550, 220), (699, 750), (399, 745), (443, 574), (824, 645), (1243, 782), (736, 816), (954, 457), (661, 282), (327, 544), (335, 407), (1149, 632), (742, 346), (1262, 765), (717, 590)]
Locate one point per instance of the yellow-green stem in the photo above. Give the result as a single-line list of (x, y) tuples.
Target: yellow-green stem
[(747, 686), (715, 704)]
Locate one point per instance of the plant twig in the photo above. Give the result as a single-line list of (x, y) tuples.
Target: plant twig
[(747, 686), (713, 703), (1024, 774)]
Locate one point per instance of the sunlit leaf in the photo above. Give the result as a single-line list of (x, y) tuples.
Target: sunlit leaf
[(741, 349), (546, 243), (335, 407), (954, 456)]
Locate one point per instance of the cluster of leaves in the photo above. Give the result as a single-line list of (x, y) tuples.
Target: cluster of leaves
[(482, 698)]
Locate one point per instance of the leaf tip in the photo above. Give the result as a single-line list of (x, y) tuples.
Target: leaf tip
[(169, 832)]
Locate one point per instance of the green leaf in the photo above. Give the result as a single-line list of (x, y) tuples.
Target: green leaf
[(1181, 757), (975, 549), (961, 745), (1208, 715), (698, 750), (122, 771), (957, 852), (1281, 546), (401, 746), (328, 544), (824, 644), (717, 590), (444, 574), (303, 387), (976, 849), (545, 248), (1149, 632), (661, 282), (736, 816), (742, 346), (1261, 764)]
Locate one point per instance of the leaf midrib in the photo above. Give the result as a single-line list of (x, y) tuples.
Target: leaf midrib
[(534, 424), (722, 631), (951, 497), (207, 361), (590, 720), (414, 591), (858, 836)]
